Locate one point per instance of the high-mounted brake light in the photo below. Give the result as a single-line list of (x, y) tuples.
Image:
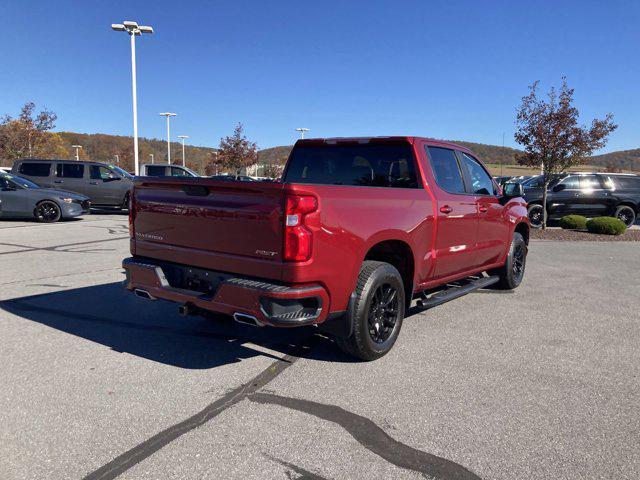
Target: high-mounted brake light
[(298, 239)]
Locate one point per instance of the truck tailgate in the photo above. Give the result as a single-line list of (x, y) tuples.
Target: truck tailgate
[(230, 218)]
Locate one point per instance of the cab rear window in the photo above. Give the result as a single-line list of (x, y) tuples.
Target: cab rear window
[(369, 165)]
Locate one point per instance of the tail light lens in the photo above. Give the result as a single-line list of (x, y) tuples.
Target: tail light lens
[(132, 213), (298, 239)]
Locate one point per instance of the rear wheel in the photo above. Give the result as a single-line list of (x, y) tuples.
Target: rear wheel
[(535, 215), (47, 212), (512, 272), (626, 214), (378, 312)]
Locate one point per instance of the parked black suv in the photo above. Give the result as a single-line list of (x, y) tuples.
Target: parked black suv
[(587, 194), (106, 185)]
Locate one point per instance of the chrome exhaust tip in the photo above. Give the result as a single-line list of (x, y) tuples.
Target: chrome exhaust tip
[(143, 294), (247, 319)]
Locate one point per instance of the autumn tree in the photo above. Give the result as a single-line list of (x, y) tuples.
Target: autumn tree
[(29, 134), (551, 136), (236, 152)]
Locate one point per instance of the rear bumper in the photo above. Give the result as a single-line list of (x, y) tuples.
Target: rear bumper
[(270, 303)]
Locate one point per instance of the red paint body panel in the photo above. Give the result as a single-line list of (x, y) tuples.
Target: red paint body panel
[(237, 228)]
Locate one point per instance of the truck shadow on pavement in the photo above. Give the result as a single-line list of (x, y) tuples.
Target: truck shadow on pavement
[(109, 315)]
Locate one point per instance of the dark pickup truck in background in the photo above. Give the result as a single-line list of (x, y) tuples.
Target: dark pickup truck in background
[(356, 230)]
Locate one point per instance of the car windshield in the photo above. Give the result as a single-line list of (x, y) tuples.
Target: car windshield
[(23, 182), (119, 170)]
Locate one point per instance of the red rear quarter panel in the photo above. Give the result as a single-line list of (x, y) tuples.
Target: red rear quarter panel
[(349, 221)]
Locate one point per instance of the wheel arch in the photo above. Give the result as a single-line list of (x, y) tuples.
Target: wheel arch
[(399, 254)]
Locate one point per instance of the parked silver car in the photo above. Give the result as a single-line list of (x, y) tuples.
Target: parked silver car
[(105, 185), (21, 198)]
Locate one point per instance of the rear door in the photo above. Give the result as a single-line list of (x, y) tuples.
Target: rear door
[(71, 176), (493, 230), (592, 199), (457, 221)]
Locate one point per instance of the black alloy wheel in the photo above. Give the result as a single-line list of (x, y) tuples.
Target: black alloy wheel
[(47, 212), (383, 313)]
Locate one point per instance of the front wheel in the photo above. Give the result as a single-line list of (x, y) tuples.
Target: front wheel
[(378, 312), (512, 272), (47, 212), (626, 214)]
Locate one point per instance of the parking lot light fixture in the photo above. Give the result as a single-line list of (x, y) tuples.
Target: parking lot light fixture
[(302, 131), (151, 155), (168, 115), (183, 138), (77, 147), (133, 29)]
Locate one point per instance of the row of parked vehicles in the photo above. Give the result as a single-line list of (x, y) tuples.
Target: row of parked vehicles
[(582, 193), (52, 190)]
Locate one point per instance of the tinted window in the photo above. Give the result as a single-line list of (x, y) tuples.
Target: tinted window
[(179, 172), (624, 183), (481, 183), (446, 170), (3, 183), (589, 182), (32, 169), (572, 182), (155, 171), (101, 173), (70, 170), (370, 165), (535, 182)]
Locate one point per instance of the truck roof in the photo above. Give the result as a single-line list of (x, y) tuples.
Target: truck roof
[(379, 139)]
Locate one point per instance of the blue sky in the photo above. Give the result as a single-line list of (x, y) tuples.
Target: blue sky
[(444, 69)]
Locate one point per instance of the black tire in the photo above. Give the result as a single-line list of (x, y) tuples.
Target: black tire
[(626, 214), (47, 211), (535, 215), (378, 312), (512, 272)]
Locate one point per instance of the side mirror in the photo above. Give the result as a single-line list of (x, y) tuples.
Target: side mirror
[(558, 188), (512, 190)]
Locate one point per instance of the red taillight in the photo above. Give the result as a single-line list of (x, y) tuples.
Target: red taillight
[(132, 213), (298, 239)]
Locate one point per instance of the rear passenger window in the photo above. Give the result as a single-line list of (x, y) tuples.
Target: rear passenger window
[(481, 183), (589, 182), (624, 183), (70, 170), (446, 170), (155, 171), (33, 169)]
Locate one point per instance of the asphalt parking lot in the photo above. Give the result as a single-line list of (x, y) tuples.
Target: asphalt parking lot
[(540, 383)]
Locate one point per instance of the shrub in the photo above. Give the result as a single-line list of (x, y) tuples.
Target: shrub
[(606, 226), (574, 222)]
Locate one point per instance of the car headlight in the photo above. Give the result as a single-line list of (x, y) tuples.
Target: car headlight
[(66, 199)]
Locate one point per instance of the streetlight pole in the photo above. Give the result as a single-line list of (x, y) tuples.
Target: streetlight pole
[(168, 115), (151, 155), (77, 147), (302, 130), (183, 138), (133, 29)]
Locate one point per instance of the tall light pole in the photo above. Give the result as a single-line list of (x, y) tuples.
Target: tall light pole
[(77, 147), (151, 155), (183, 138), (168, 115), (302, 130), (133, 29)]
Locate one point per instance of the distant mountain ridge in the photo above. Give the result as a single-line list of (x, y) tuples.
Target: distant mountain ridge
[(104, 147)]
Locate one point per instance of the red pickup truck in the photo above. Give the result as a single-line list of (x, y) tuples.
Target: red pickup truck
[(356, 230)]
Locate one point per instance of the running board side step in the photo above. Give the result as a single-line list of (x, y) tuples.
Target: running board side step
[(453, 292)]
